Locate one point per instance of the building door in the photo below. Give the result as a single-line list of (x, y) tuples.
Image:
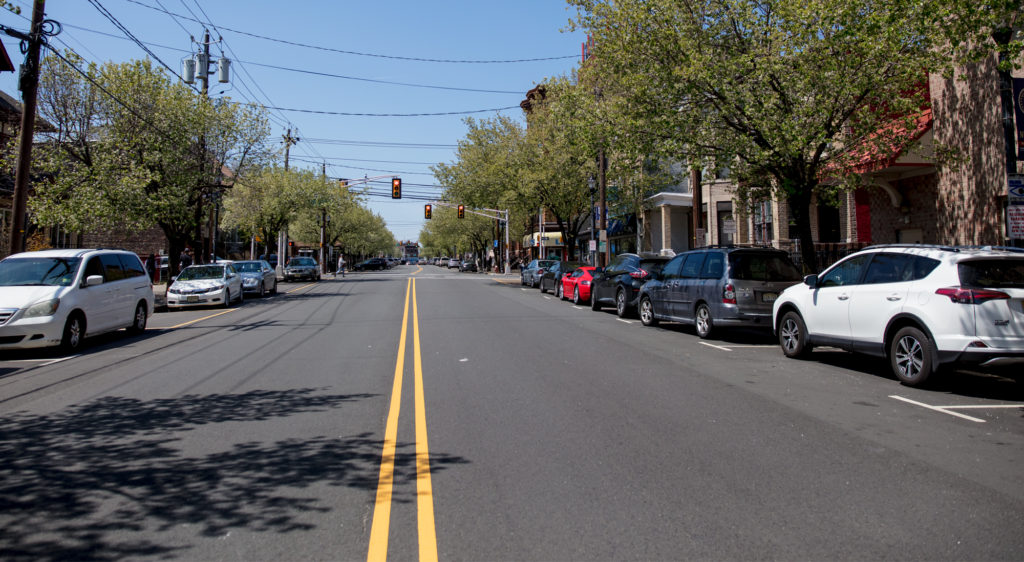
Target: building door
[(726, 224)]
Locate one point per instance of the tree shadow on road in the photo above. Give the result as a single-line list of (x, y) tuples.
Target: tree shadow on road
[(81, 482)]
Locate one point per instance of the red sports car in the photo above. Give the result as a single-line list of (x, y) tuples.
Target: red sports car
[(577, 285)]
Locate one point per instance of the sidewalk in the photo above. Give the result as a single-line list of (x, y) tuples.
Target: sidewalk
[(512, 278)]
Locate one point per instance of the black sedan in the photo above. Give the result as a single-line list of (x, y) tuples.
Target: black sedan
[(619, 283), (379, 264), (552, 276)]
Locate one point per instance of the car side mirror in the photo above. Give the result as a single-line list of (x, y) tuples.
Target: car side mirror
[(811, 281), (93, 280)]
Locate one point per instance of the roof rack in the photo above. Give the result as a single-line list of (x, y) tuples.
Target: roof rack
[(929, 246), (736, 246), (997, 248)]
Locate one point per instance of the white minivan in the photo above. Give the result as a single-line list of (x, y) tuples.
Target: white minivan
[(58, 297)]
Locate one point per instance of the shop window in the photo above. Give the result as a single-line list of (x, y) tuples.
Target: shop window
[(763, 231)]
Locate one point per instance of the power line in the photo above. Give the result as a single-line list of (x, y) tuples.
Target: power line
[(106, 13), (357, 53), (383, 144), (348, 114)]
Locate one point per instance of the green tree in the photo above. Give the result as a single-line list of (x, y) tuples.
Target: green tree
[(134, 149), (780, 91)]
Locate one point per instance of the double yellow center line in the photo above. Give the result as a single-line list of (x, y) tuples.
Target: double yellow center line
[(424, 492)]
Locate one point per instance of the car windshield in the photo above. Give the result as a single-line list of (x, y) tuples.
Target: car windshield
[(38, 271), (652, 266), (202, 272), (763, 267), (992, 274), (248, 266), (545, 263), (301, 262)]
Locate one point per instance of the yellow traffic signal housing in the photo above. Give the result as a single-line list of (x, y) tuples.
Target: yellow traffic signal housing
[(396, 188), (426, 211), (462, 211)]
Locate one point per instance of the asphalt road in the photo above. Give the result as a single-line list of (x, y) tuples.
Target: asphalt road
[(417, 413)]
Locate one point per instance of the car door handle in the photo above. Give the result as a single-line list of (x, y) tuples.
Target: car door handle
[(843, 297), (893, 298)]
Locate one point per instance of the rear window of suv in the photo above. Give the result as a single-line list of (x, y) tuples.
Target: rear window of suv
[(992, 274), (763, 267)]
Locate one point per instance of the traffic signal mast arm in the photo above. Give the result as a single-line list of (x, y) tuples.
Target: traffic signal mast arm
[(498, 215)]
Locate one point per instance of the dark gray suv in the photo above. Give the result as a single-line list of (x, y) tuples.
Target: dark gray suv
[(712, 287)]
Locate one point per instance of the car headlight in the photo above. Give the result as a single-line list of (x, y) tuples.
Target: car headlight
[(45, 308), (215, 288)]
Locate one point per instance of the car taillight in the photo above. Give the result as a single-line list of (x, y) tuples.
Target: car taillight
[(540, 271), (729, 294), (639, 274), (970, 296)]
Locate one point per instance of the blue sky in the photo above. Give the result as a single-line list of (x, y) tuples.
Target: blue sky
[(352, 146)]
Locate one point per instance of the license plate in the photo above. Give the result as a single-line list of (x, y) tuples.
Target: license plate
[(769, 297), (192, 298)]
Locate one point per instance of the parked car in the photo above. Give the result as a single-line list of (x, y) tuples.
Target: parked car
[(271, 259), (454, 262), (578, 283), (920, 307), (468, 265), (257, 277), (371, 264), (215, 284), (717, 287), (530, 275), (302, 268), (442, 262), (619, 284), (552, 276), (59, 297)]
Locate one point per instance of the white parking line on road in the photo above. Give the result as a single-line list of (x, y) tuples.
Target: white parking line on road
[(982, 407), (626, 321), (714, 346), (46, 362), (942, 409), (547, 297)]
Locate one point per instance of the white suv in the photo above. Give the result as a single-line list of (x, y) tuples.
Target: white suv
[(921, 307), (58, 297)]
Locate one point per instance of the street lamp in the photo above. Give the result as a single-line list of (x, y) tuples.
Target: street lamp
[(593, 222)]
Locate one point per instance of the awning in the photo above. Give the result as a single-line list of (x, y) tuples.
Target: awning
[(549, 239)]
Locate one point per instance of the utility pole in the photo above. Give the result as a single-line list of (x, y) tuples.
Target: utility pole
[(282, 237), (698, 215), (29, 88), (606, 256)]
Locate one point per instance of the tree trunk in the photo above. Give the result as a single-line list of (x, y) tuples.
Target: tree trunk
[(800, 210)]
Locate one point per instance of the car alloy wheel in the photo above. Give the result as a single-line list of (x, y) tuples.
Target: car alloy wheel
[(560, 292), (74, 332), (620, 303), (576, 295), (139, 322), (705, 325), (647, 312), (911, 356), (263, 289), (793, 336)]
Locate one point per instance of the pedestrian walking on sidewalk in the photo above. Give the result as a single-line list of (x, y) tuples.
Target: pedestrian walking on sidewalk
[(341, 266)]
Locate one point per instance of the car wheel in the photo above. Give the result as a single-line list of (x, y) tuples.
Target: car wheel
[(522, 280), (594, 303), (74, 334), (911, 356), (703, 321), (620, 304), (560, 291), (273, 290), (543, 289), (139, 321), (576, 295), (227, 298), (793, 336), (647, 312), (241, 296), (263, 289)]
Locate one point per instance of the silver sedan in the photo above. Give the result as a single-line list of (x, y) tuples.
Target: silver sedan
[(257, 277), (205, 285)]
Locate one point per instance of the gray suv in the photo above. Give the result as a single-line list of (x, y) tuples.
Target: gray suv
[(718, 286)]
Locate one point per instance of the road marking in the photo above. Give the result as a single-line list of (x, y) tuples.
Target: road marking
[(714, 346), (547, 297), (297, 288), (524, 289), (382, 507), (942, 409), (626, 321), (982, 407), (183, 324), (419, 269), (424, 488)]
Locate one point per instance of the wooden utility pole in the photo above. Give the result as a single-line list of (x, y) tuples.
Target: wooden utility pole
[(29, 89), (698, 215)]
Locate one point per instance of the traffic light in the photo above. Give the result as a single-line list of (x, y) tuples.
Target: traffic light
[(462, 211), (426, 211), (396, 188)]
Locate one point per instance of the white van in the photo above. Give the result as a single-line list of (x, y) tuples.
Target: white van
[(58, 297)]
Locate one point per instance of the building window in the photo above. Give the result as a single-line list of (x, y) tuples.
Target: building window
[(763, 231)]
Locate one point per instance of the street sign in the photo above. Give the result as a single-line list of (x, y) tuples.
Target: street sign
[(593, 245), (1015, 208)]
